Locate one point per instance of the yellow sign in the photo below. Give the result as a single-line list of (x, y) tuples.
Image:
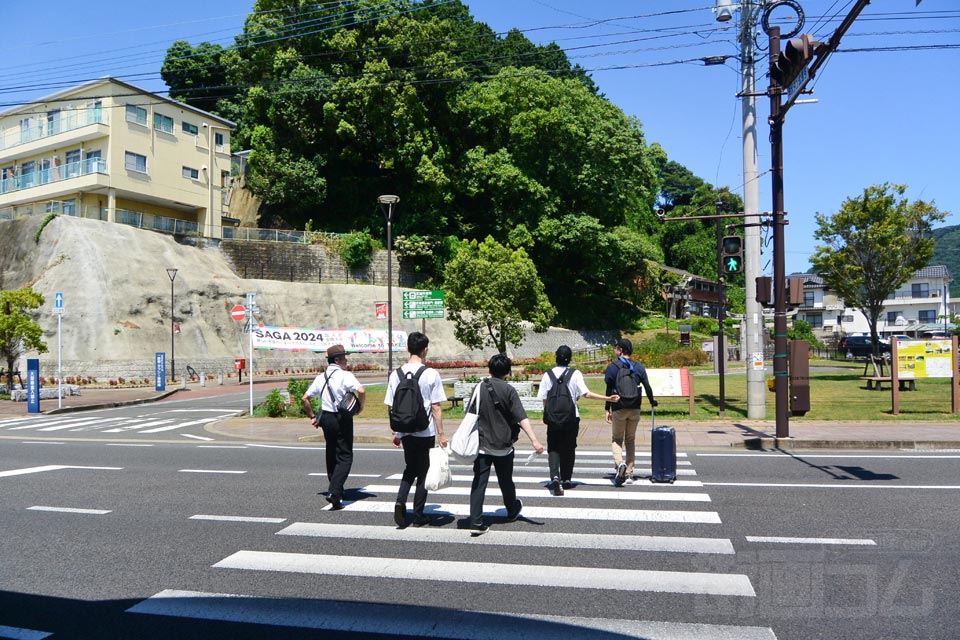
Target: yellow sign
[(924, 359)]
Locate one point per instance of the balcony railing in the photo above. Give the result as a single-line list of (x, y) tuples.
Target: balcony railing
[(162, 224), (53, 174), (47, 128)]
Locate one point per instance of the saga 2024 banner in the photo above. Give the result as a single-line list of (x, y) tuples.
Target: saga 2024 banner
[(300, 339)]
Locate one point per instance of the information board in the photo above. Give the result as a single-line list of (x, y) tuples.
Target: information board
[(924, 359)]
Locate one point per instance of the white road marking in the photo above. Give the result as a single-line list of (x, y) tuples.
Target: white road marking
[(838, 485), (586, 494), (356, 475), (208, 471), (600, 454), (511, 538), (784, 456), (18, 633), (855, 541), (567, 513), (581, 469), (394, 620), (238, 519), (220, 446), (233, 412), (97, 512), (591, 482), (555, 577), (204, 438), (139, 425), (127, 444), (180, 425), (52, 467), (42, 442)]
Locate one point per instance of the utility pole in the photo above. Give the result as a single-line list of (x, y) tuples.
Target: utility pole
[(755, 327), (721, 353)]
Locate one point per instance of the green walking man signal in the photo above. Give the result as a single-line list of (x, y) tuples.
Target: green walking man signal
[(732, 258)]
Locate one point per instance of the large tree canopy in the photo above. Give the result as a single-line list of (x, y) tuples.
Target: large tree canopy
[(19, 333), (872, 246)]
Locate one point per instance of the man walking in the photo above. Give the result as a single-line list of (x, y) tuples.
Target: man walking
[(331, 386), (500, 410), (416, 444), (562, 417), (624, 377)]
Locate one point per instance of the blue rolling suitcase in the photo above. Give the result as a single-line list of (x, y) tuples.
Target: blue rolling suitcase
[(663, 454)]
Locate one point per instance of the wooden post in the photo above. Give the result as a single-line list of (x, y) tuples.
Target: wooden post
[(894, 377)]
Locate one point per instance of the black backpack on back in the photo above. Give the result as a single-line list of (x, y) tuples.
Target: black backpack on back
[(627, 387), (559, 409), (407, 413)]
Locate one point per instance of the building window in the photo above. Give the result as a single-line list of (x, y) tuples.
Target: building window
[(72, 168), (920, 290), (51, 207), (808, 298), (70, 207), (137, 115), (94, 163), (190, 172), (163, 123), (893, 315), (815, 320), (189, 128), (218, 140), (928, 315), (53, 122), (135, 162)]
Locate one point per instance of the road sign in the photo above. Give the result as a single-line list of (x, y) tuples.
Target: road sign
[(417, 314), (429, 303), (238, 313), (58, 303), (380, 310), (422, 294)]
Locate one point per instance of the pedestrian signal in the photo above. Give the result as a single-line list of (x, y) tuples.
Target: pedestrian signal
[(731, 257)]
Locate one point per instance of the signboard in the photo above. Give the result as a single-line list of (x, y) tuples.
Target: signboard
[(299, 339), (797, 85), (423, 304), (33, 385), (238, 312), (58, 304), (161, 371), (756, 361), (924, 359), (380, 310), (669, 382)]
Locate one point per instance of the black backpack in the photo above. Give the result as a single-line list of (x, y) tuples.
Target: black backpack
[(627, 387), (407, 413), (559, 409)]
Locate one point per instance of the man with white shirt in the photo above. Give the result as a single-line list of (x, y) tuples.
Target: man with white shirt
[(562, 438), (417, 445), (331, 386)]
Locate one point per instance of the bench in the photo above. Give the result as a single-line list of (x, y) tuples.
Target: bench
[(878, 381), (455, 401)]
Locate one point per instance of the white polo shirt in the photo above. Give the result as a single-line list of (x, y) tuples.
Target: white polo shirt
[(576, 384), (341, 381), (431, 388)]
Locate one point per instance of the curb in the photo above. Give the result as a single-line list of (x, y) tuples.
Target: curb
[(800, 443), (108, 405)]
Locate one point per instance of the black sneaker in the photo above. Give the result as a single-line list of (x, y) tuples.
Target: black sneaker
[(621, 475), (400, 514), (421, 521), (568, 484), (557, 489), (335, 503), (515, 513), (478, 529)]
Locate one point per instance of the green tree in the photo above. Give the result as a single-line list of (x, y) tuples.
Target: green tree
[(195, 75), (873, 245), (18, 333), (803, 330), (491, 290)]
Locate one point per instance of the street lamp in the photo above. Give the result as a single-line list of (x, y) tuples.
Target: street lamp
[(173, 367), (386, 204)]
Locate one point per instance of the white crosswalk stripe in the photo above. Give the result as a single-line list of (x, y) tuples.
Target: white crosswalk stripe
[(627, 496), (146, 424)]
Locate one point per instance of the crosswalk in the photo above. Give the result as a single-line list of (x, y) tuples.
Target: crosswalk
[(149, 423), (593, 518)]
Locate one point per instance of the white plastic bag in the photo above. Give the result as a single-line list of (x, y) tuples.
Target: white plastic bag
[(438, 475), (465, 443)]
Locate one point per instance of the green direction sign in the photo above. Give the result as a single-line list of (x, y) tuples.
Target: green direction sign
[(423, 294), (429, 303), (417, 314)]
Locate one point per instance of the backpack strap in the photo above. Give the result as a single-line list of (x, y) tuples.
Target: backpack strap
[(326, 385), (553, 378), (496, 400)]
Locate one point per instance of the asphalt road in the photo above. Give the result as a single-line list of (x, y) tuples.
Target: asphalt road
[(109, 538)]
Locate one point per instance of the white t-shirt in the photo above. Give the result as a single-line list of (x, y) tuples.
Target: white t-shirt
[(576, 384), (431, 388), (341, 381)]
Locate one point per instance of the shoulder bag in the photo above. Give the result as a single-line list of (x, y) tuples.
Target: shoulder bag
[(465, 443)]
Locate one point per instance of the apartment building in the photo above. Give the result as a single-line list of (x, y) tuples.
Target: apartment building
[(915, 309), (112, 151)]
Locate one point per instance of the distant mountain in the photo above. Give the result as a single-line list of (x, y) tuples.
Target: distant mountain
[(946, 251)]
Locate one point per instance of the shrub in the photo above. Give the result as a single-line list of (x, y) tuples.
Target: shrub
[(274, 404), (356, 249)]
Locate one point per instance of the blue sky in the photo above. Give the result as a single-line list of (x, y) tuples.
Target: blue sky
[(881, 116)]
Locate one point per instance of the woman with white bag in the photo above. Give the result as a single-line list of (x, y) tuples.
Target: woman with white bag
[(417, 445)]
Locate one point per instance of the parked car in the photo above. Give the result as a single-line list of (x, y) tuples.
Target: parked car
[(862, 347)]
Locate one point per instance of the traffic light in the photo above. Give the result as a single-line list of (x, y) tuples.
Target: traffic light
[(731, 258), (786, 66)]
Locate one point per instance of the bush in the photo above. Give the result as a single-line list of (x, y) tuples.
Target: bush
[(275, 404), (296, 389), (356, 249)]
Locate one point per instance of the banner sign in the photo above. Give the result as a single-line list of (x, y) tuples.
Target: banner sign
[(160, 371), (924, 359), (33, 385), (669, 382), (353, 340)]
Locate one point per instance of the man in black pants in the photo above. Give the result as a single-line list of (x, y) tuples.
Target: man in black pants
[(417, 445), (500, 409), (562, 438), (330, 386)]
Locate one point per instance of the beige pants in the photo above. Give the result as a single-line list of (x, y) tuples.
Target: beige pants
[(625, 423)]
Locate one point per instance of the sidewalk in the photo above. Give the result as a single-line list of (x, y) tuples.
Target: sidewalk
[(594, 434)]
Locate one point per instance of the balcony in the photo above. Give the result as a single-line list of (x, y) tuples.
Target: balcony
[(162, 224), (53, 175), (46, 129)]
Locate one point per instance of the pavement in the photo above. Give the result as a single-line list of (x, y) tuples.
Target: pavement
[(702, 434)]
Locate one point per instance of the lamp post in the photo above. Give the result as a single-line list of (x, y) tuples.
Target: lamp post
[(173, 367), (386, 204)]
